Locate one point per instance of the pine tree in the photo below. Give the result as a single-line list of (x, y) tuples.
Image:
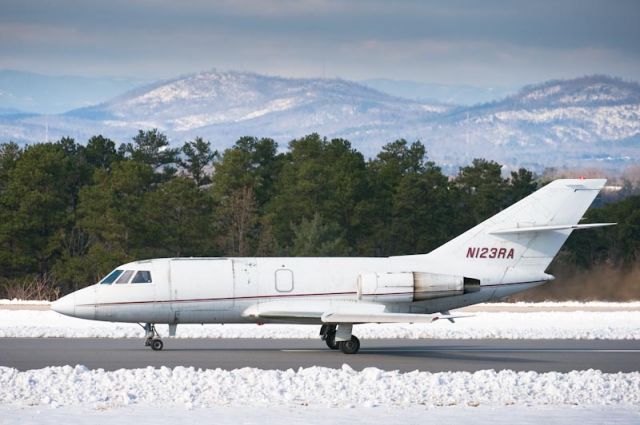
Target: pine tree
[(199, 156)]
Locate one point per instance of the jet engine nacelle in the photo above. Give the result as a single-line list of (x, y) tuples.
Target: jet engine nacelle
[(412, 286)]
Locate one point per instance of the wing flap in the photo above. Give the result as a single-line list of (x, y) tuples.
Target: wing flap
[(284, 315), (338, 317)]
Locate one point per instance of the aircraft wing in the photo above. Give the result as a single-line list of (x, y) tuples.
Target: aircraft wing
[(335, 312)]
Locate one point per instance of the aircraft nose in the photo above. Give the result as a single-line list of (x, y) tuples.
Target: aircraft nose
[(65, 305)]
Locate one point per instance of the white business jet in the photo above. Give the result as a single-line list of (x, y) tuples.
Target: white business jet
[(505, 254)]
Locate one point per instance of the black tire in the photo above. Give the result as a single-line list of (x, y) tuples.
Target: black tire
[(156, 345), (331, 342), (350, 347)]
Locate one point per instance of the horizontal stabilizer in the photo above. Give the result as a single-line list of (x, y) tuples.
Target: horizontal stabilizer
[(530, 229)]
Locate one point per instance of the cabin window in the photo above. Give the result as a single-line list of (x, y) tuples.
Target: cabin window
[(143, 276), (124, 277), (284, 280), (111, 277)]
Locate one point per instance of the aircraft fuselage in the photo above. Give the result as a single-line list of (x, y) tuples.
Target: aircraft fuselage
[(222, 290)]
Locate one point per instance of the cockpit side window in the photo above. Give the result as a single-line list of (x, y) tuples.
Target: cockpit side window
[(111, 277), (124, 277), (143, 276)]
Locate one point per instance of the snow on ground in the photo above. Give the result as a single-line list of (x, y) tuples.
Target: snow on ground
[(509, 415), (315, 395), (77, 395), (503, 325), (187, 387)]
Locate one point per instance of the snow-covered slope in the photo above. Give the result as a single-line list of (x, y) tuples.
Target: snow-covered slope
[(213, 98), (589, 121), (223, 106)]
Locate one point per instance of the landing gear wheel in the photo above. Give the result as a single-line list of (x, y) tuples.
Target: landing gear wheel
[(331, 342), (156, 345), (350, 347), (152, 337)]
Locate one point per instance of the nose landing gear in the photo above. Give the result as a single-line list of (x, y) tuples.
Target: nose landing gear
[(156, 344), (152, 337)]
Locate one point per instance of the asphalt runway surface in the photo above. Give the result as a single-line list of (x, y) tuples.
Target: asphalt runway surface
[(391, 354)]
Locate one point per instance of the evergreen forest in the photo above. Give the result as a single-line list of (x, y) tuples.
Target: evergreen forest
[(70, 212)]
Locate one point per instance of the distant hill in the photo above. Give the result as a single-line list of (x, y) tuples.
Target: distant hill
[(241, 103), (223, 106), (588, 121)]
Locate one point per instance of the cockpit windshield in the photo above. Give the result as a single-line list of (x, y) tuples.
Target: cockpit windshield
[(111, 277), (124, 276)]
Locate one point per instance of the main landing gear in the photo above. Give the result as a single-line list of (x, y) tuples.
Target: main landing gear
[(339, 337), (152, 337), (328, 335)]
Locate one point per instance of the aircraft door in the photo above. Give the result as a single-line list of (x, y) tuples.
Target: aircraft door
[(163, 309), (245, 278), (205, 283)]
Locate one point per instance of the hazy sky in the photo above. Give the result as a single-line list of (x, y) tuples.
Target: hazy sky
[(474, 42)]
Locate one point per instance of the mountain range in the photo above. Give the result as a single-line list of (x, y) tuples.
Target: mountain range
[(592, 121)]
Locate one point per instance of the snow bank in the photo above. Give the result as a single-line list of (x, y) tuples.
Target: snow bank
[(502, 325), (315, 387)]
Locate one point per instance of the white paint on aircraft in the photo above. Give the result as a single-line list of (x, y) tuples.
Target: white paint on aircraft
[(505, 254)]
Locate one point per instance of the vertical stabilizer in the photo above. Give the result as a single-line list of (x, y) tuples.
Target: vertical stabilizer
[(524, 238)]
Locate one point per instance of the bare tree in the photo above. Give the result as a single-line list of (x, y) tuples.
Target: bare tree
[(240, 219)]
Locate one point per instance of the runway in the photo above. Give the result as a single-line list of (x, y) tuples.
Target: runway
[(394, 354)]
